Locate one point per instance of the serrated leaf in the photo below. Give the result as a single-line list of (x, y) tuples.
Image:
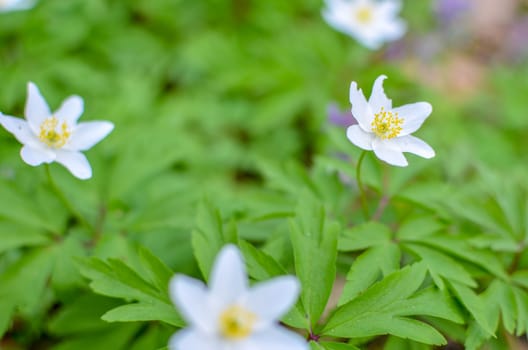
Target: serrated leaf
[(364, 236), (159, 274), (314, 240), (114, 278), (417, 227), (144, 311), (442, 265), (373, 312), (521, 302), (475, 306), (367, 269), (499, 298), (262, 267), (476, 337), (430, 302), (209, 237), (462, 250)]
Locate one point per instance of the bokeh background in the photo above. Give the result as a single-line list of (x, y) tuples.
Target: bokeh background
[(220, 98)]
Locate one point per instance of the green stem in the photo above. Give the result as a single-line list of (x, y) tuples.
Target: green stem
[(65, 200), (362, 193)]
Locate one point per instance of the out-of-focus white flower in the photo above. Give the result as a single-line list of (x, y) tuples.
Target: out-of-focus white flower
[(16, 5), (56, 137), (371, 22), (230, 315), (386, 130)]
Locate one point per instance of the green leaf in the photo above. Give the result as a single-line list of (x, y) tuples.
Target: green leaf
[(113, 337), (417, 227), (364, 236), (430, 302), (337, 346), (377, 311), (499, 298), (6, 312), (82, 315), (144, 311), (262, 267), (115, 279), (441, 265), (209, 236), (66, 276), (367, 269), (395, 343), (16, 206), (23, 283), (314, 240), (475, 306), (19, 235), (157, 272), (462, 250), (521, 303), (476, 336)]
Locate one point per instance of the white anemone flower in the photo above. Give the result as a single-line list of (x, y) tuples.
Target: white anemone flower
[(56, 137), (230, 315), (371, 22), (16, 5), (386, 130)]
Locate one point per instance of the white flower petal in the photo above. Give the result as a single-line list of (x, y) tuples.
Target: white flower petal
[(86, 135), (15, 5), (388, 152), (360, 108), (36, 156), (228, 280), (70, 110), (191, 339), (414, 145), (393, 30), (383, 24), (360, 138), (191, 298), (389, 8), (75, 162), (378, 99), (413, 116), (37, 109), (270, 300), (277, 338), (20, 129)]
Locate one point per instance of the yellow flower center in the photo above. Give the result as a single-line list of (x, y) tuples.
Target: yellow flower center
[(236, 323), (386, 125), (364, 15), (53, 134)]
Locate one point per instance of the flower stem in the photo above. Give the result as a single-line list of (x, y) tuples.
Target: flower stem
[(362, 193), (64, 199)]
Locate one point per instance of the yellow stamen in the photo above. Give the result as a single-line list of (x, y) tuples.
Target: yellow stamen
[(53, 135), (236, 322), (386, 125), (364, 15)]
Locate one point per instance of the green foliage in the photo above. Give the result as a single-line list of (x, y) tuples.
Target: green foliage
[(313, 239), (227, 100)]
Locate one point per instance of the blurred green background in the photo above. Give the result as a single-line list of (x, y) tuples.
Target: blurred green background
[(221, 98)]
